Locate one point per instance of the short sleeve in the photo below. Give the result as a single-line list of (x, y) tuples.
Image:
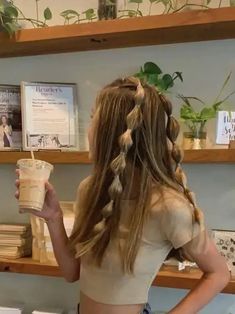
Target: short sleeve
[(178, 223)]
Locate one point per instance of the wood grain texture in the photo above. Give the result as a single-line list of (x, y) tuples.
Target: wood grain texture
[(209, 156), (190, 156), (52, 157), (197, 25), (168, 276), (28, 266)]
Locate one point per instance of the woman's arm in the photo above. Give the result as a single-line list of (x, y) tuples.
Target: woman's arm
[(52, 213), (216, 276), (69, 265)]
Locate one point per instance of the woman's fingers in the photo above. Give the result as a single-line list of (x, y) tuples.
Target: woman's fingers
[(17, 171), (17, 183), (17, 195)]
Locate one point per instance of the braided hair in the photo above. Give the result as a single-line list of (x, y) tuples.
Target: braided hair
[(135, 128)]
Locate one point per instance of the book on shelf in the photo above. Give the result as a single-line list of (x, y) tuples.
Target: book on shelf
[(15, 242), (11, 309), (225, 127), (14, 252), (48, 311), (6, 228), (10, 118)]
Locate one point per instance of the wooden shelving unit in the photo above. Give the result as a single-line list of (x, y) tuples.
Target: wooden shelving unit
[(52, 157), (190, 156), (198, 25), (28, 266), (168, 276)]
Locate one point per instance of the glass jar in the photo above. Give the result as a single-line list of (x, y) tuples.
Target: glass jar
[(196, 138), (107, 9)]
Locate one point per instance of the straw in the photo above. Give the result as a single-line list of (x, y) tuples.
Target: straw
[(30, 146)]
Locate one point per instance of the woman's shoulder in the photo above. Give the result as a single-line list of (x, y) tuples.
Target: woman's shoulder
[(170, 202)]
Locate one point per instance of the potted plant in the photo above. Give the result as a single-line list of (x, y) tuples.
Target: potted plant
[(195, 120), (152, 74)]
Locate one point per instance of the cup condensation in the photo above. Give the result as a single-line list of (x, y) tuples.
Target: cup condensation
[(33, 174)]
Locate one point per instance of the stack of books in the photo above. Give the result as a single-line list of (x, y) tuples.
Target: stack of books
[(15, 240)]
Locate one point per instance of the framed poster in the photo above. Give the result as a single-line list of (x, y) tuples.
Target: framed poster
[(49, 113), (225, 242), (10, 118), (225, 127)]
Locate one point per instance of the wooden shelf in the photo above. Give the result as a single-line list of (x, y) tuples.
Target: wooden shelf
[(168, 276), (197, 25), (28, 266), (210, 156), (190, 156), (52, 157)]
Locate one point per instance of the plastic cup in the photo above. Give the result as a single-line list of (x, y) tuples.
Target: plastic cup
[(33, 175)]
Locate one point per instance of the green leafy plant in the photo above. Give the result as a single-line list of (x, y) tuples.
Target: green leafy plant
[(132, 13), (152, 74), (11, 15), (74, 17), (194, 118), (8, 18)]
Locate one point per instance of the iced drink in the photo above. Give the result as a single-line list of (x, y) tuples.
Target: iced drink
[(33, 175)]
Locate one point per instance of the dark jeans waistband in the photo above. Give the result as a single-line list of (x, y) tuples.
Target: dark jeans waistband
[(146, 310)]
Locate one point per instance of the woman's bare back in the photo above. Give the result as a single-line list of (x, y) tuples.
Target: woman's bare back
[(88, 306)]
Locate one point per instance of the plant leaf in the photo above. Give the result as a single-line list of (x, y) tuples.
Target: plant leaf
[(168, 80), (187, 113), (11, 12), (196, 98), (222, 88), (2, 9), (11, 28), (152, 68), (135, 1), (179, 75), (47, 14), (66, 13), (207, 113), (152, 79), (232, 3), (90, 13)]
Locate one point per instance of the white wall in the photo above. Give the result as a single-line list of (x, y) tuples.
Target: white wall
[(204, 66)]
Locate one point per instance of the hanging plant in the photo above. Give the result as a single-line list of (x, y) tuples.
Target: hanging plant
[(153, 75), (8, 18), (132, 13), (74, 17)]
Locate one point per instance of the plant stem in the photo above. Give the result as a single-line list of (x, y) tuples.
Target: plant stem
[(37, 10), (150, 8), (195, 5), (220, 3)]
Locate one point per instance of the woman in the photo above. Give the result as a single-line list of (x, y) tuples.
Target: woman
[(5, 132), (133, 210)]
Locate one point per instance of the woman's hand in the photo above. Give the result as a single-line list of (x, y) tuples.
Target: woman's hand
[(51, 209)]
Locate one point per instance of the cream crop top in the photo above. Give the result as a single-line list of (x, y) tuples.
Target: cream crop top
[(170, 224)]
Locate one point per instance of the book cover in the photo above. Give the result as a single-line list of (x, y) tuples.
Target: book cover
[(10, 118), (225, 242), (225, 127)]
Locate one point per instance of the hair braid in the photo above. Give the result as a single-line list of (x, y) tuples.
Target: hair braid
[(118, 165), (172, 131)]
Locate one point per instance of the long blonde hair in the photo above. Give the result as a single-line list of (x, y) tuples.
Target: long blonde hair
[(135, 128)]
